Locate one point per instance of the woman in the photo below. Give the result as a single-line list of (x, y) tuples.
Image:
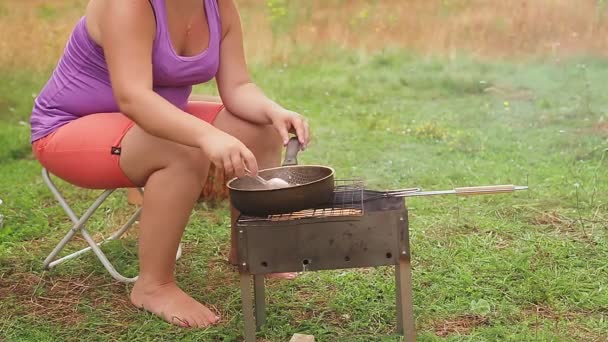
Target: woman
[(116, 114)]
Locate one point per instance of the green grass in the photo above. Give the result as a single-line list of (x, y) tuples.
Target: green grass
[(529, 266)]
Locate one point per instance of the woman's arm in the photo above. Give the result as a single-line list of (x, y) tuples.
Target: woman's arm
[(127, 30), (239, 94)]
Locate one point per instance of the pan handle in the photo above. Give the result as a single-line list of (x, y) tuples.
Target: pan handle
[(291, 152), (465, 191), (483, 190)]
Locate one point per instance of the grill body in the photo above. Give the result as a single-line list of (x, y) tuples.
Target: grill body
[(355, 234)]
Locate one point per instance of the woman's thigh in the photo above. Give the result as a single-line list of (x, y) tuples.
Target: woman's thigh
[(86, 151), (143, 153)]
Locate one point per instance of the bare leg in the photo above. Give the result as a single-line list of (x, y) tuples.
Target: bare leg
[(173, 175), (266, 145)]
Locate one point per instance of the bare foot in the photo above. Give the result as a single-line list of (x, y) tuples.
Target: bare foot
[(172, 304)]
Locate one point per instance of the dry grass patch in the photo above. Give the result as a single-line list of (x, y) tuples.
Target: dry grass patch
[(460, 325), (60, 300)]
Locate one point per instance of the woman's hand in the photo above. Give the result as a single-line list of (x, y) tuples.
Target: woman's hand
[(286, 121), (228, 153)]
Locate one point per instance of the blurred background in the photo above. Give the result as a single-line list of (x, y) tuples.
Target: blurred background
[(33, 32)]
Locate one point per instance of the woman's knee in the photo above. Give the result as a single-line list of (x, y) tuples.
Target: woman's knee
[(189, 161), (144, 154), (264, 139), (258, 138)]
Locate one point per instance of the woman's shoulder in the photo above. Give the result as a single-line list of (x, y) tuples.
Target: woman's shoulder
[(229, 15), (138, 12)]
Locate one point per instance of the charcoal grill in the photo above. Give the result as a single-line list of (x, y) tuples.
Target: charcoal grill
[(356, 229)]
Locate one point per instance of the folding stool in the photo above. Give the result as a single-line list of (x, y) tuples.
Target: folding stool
[(79, 227)]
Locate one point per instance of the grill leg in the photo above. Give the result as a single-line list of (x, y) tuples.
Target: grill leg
[(260, 300), (405, 306), (248, 318)]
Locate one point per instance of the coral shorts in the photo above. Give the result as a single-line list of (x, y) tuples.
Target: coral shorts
[(86, 151)]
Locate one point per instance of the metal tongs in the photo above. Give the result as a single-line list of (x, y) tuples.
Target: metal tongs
[(462, 191)]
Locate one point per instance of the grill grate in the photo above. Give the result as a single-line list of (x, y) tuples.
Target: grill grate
[(348, 201)]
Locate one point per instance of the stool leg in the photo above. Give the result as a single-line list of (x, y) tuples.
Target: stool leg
[(248, 318), (405, 305), (116, 235), (48, 262), (260, 300), (78, 224), (104, 260)]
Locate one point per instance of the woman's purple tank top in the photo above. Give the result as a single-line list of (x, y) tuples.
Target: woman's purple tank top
[(80, 84)]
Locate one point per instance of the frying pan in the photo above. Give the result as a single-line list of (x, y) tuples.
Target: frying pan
[(309, 186)]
